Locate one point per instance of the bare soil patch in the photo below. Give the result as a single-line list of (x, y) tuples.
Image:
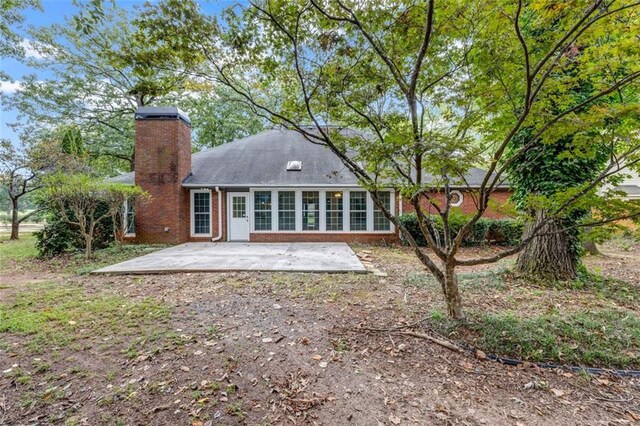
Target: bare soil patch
[(282, 348)]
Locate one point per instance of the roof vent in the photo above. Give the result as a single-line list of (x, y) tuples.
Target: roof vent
[(294, 165)]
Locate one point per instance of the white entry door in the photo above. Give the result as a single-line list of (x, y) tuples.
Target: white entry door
[(238, 216)]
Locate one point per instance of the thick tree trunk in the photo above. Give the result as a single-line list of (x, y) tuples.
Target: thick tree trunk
[(449, 282), (588, 245), (547, 256), (88, 249), (591, 248), (15, 224)]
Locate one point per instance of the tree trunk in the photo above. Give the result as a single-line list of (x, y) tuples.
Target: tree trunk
[(449, 282), (15, 224), (591, 248), (547, 256), (588, 245), (88, 249)]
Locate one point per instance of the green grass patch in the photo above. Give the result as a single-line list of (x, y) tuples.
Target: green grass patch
[(606, 338), (605, 287), (23, 251), (75, 263), (18, 250), (53, 315)]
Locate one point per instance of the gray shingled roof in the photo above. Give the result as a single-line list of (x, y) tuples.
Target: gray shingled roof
[(261, 160)]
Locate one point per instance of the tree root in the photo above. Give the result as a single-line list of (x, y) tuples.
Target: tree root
[(443, 343)]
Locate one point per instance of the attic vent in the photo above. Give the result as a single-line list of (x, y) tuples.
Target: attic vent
[(294, 165)]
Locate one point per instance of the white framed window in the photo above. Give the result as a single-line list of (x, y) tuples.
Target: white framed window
[(334, 210), (310, 210), (129, 218), (380, 221), (357, 210), (315, 210), (286, 210), (201, 213), (456, 198), (262, 210)]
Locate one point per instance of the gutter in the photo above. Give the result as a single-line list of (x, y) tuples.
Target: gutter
[(219, 237)]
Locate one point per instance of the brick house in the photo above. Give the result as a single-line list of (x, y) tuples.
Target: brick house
[(273, 186)]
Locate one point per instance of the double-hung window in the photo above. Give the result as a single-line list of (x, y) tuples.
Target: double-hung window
[(310, 210), (202, 213), (129, 217), (262, 210), (334, 203), (358, 210), (286, 210), (380, 222)]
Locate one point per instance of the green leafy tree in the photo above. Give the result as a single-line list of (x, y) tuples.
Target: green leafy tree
[(102, 71), (72, 142), (552, 166), (98, 80), (436, 87), (11, 17), (21, 172), (78, 198), (219, 117)]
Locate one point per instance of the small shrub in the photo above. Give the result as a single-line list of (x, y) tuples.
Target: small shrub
[(57, 236), (504, 232)]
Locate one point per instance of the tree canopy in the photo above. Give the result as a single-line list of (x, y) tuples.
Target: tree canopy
[(100, 70)]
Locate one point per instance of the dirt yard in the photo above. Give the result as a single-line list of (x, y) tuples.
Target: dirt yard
[(278, 348)]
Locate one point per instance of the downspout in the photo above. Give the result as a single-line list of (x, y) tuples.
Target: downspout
[(219, 237)]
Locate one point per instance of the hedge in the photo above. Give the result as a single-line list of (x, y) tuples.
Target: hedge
[(503, 232)]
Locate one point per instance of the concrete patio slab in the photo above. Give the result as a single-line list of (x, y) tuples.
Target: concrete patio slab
[(218, 257)]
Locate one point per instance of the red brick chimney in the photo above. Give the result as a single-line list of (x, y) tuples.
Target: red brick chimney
[(162, 162)]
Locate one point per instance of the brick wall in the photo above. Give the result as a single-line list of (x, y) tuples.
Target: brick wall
[(162, 161), (499, 205)]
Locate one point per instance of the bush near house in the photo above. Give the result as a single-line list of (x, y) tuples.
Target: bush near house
[(58, 236), (503, 232)]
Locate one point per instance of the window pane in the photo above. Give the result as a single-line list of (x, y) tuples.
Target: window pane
[(358, 210), (262, 221), (262, 210), (380, 222), (286, 200), (201, 202), (334, 210), (287, 221), (201, 223), (201, 213), (239, 207), (358, 221), (310, 210), (262, 200), (130, 217), (286, 210)]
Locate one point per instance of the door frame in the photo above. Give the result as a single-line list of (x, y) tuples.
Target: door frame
[(230, 196)]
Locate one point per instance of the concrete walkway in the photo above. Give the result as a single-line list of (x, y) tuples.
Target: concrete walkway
[(208, 257)]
